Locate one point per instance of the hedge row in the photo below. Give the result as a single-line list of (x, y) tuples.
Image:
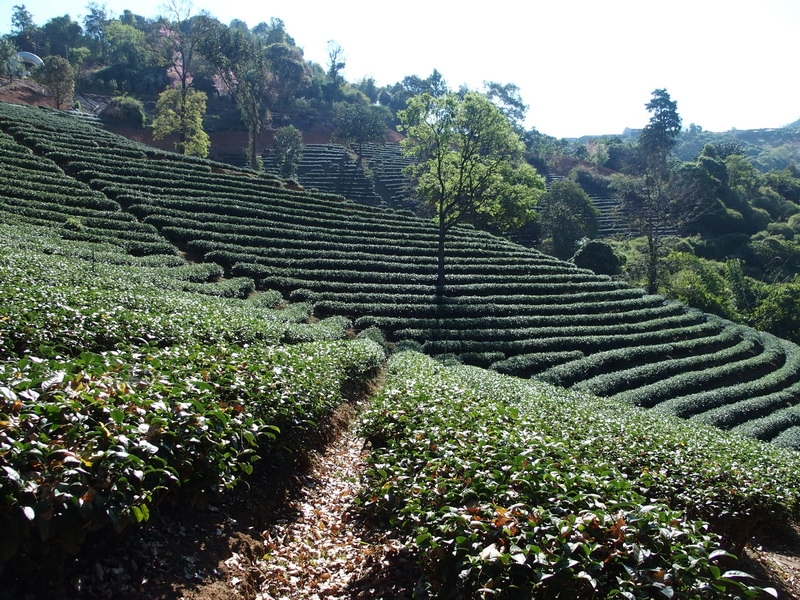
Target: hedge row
[(450, 311), (468, 261), (574, 372), (499, 501), (617, 381), (548, 330), (671, 389), (96, 441), (568, 319), (744, 401), (584, 343)]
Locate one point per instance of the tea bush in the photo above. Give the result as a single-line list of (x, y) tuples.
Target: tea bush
[(511, 489), (117, 389)]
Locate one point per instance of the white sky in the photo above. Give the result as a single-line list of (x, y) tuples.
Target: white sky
[(584, 66)]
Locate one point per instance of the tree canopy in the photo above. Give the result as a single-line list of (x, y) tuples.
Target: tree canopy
[(358, 124), (57, 76), (466, 156), (288, 149), (182, 114), (658, 136), (567, 215)]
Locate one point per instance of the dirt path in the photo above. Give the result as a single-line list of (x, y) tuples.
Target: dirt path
[(325, 551), (310, 546)]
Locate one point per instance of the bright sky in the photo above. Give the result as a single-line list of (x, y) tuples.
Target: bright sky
[(583, 66)]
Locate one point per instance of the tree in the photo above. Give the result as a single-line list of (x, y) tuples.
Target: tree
[(464, 151), (358, 124), (62, 34), (397, 95), (658, 136), (600, 257), (662, 207), (656, 202), (241, 71), (336, 64), (78, 56), (508, 100), (289, 72), (8, 53), (779, 311), (178, 42), (288, 148), (94, 24), (252, 96), (125, 44), (273, 32), (567, 215), (700, 283), (57, 76), (24, 32), (176, 113), (369, 88)]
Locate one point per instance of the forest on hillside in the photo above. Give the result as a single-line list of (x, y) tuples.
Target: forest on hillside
[(710, 219)]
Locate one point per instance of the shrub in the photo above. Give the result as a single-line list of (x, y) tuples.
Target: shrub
[(500, 501), (600, 257), (126, 110)]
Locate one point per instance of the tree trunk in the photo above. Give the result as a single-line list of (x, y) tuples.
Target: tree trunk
[(253, 143), (652, 264), (440, 273), (182, 132)]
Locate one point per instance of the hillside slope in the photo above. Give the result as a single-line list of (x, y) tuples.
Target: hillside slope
[(505, 307)]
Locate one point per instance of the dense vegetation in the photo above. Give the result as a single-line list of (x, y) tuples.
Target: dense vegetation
[(130, 376), (512, 309), (120, 388), (717, 232), (518, 490)]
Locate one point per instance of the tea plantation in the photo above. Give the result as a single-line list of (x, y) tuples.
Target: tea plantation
[(129, 374)]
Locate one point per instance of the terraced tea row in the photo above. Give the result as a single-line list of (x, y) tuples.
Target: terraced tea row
[(330, 168), (118, 388), (506, 307)]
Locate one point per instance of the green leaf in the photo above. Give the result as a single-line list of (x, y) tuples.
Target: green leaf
[(734, 574), (137, 514), (13, 475), (720, 553)]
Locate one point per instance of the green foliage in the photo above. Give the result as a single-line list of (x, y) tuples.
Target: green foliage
[(290, 74), (500, 501), (598, 256), (465, 151), (358, 124), (771, 258), (779, 311), (591, 181), (115, 390), (504, 306), (508, 99), (567, 215), (288, 145), (785, 182), (182, 113), (8, 52), (697, 283), (58, 77), (658, 136), (125, 109)]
